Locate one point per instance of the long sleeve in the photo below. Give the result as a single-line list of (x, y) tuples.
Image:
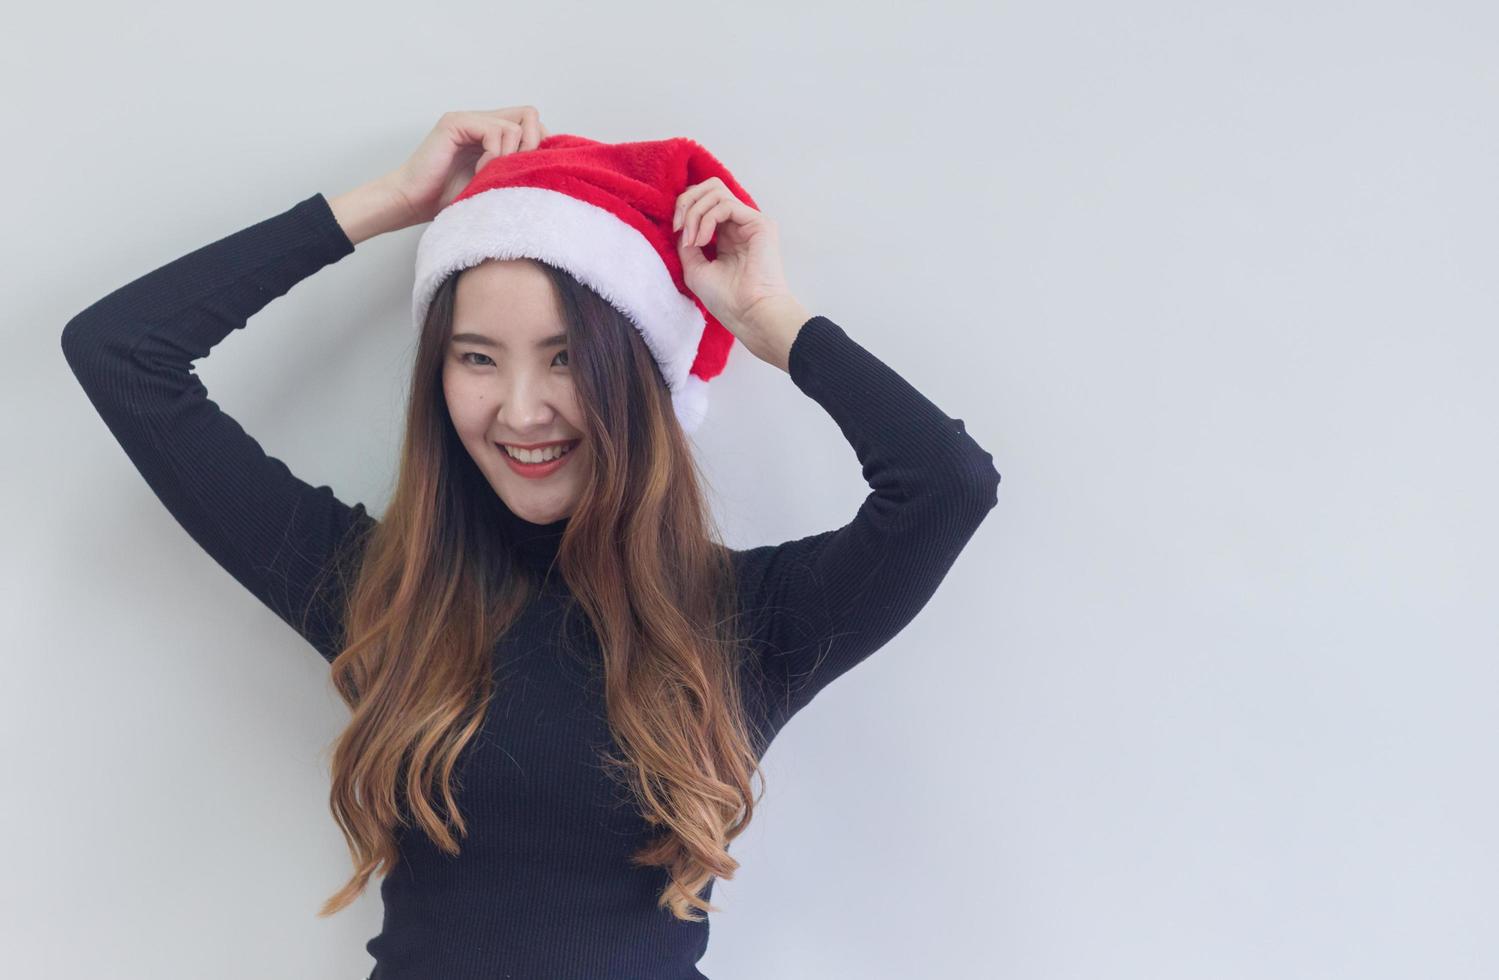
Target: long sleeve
[(819, 605), (133, 350)]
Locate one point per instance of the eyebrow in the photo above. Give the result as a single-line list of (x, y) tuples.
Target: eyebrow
[(483, 340)]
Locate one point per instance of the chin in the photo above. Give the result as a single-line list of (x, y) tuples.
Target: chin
[(537, 514)]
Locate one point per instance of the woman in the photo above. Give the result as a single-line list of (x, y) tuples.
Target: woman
[(550, 657)]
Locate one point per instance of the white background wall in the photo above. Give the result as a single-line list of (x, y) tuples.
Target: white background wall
[(1211, 694)]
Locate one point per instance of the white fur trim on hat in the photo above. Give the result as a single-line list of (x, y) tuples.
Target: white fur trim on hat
[(600, 249)]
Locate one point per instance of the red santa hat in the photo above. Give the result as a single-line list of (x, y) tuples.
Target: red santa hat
[(603, 212)]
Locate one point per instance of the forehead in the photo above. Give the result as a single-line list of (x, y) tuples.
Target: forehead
[(509, 302)]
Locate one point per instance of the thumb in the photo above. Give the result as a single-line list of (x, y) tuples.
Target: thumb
[(691, 255)]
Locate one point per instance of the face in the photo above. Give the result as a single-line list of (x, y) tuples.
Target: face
[(507, 382)]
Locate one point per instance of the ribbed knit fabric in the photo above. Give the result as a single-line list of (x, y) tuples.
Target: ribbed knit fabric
[(543, 889)]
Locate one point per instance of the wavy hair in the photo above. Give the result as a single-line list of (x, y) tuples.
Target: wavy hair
[(432, 586)]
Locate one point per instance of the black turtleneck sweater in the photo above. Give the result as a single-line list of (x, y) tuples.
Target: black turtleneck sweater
[(543, 888)]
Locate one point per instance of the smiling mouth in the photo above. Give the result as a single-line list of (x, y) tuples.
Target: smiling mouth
[(542, 469), (525, 455)]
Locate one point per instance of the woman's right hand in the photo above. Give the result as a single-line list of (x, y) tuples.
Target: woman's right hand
[(459, 145)]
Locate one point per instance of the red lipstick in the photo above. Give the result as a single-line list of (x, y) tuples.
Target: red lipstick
[(536, 471)]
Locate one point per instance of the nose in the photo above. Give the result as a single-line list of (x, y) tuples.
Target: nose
[(526, 406)]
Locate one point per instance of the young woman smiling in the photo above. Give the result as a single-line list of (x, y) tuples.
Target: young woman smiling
[(560, 681)]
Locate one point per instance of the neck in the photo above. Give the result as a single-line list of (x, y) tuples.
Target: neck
[(534, 544)]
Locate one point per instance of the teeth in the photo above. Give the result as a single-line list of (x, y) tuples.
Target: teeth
[(538, 455)]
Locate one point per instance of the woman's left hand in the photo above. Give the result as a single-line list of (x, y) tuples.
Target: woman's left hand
[(744, 286)]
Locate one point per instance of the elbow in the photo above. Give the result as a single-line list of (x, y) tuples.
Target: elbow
[(986, 487), (969, 491), (983, 477), (74, 333), (70, 334), (981, 495), (84, 348), (86, 322), (991, 479), (71, 341), (976, 472)]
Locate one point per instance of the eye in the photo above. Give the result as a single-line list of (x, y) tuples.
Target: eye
[(563, 354), (463, 357)]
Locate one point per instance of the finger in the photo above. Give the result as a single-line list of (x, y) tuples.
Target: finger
[(685, 200), (692, 257), (690, 218), (487, 126), (466, 129), (709, 221), (492, 148), (722, 205), (510, 137), (530, 130), (695, 193), (734, 211), (690, 254)]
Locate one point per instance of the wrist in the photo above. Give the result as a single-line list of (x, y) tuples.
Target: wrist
[(371, 209), (770, 327)]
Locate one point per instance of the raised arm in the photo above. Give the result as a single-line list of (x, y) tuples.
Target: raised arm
[(133, 350), (819, 605)]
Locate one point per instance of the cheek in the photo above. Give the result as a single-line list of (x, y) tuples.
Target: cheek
[(468, 406), (569, 406)]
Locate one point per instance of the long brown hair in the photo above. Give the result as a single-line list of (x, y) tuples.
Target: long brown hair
[(434, 586)]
